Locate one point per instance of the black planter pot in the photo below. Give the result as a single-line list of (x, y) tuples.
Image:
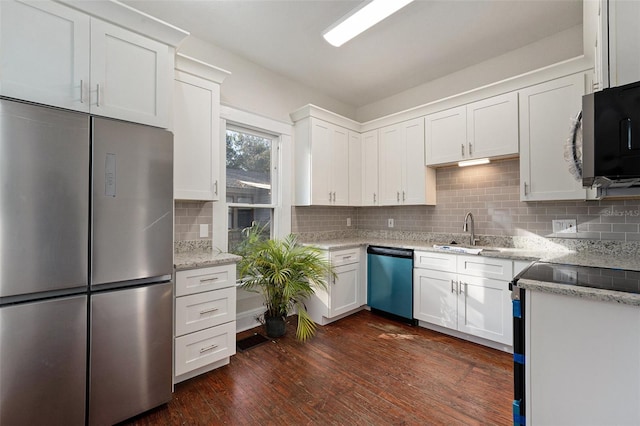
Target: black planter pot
[(275, 326)]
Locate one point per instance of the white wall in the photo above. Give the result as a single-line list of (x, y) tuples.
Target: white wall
[(553, 49), (253, 88)]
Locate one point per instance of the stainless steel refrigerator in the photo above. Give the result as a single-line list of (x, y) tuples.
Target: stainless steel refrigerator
[(86, 227)]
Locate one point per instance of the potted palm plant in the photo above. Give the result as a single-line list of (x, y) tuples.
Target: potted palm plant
[(286, 274)]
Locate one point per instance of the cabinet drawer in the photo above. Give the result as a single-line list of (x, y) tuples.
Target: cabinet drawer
[(486, 267), (434, 260), (204, 347), (203, 310), (345, 257), (205, 279)]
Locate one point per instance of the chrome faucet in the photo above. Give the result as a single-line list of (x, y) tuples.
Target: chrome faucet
[(472, 237)]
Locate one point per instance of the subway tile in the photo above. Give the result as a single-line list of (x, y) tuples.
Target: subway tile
[(626, 227), (616, 236)]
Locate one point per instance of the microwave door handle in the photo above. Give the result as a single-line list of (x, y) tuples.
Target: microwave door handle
[(626, 123)]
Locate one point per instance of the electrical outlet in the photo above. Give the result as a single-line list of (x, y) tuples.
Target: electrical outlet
[(564, 226), (348, 221), (390, 223), (204, 231)]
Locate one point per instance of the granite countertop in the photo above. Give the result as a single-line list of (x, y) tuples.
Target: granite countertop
[(610, 259), (202, 258)]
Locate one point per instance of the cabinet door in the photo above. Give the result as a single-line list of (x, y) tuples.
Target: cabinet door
[(484, 308), (446, 136), (492, 126), (413, 170), (547, 112), (344, 290), (624, 42), (338, 171), (390, 165), (44, 54), (131, 75), (370, 193), (321, 152), (435, 298), (196, 125), (355, 169)]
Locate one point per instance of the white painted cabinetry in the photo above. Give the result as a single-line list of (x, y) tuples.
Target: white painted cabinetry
[(322, 163), (205, 320), (547, 113), (469, 294), (487, 128), (57, 55), (196, 129), (370, 194), (403, 177), (345, 294), (618, 43), (355, 169)]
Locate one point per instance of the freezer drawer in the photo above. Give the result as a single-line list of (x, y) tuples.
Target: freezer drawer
[(43, 348), (130, 352), (132, 200), (44, 208)]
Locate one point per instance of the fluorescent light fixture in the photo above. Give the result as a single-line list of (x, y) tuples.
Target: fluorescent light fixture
[(473, 162), (361, 19)]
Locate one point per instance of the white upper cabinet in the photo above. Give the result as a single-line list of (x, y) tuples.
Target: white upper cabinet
[(355, 169), (131, 75), (487, 128), (60, 56), (370, 195), (322, 163), (624, 42), (403, 178), (44, 54), (196, 129), (547, 112)]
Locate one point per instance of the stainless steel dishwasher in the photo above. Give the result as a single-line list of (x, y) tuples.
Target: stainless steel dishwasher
[(390, 282)]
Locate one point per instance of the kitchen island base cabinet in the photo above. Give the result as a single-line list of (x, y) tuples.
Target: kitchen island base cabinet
[(582, 361)]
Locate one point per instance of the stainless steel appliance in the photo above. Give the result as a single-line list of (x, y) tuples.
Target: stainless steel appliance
[(611, 145), (390, 282), (85, 269)]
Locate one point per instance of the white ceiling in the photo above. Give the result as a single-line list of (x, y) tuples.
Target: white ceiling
[(424, 41)]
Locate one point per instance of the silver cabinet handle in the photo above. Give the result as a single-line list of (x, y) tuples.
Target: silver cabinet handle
[(346, 257), (526, 191), (398, 196), (208, 311), (329, 196), (374, 197), (403, 196), (208, 280), (470, 150), (462, 149), (81, 91), (334, 197), (215, 188), (452, 283), (98, 95), (208, 348)]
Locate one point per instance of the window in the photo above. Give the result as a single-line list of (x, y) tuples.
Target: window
[(251, 163)]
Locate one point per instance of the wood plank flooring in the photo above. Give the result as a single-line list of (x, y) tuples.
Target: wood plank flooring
[(362, 370)]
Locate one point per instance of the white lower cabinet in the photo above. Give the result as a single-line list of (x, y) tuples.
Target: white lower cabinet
[(205, 320), (344, 294), (469, 294)]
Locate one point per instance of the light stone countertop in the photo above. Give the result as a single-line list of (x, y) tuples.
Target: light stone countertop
[(613, 258), (199, 258)]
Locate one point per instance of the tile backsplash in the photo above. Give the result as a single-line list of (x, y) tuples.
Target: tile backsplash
[(189, 215), (491, 193)]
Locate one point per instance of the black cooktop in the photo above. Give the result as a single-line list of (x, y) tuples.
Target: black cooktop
[(583, 276)]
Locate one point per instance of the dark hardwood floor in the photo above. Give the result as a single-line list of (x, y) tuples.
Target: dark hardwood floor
[(362, 370)]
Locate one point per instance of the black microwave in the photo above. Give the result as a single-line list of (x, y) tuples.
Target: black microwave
[(611, 137)]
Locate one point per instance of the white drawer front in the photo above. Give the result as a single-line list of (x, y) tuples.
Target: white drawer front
[(205, 279), (487, 267), (345, 257), (203, 310), (204, 347), (434, 260)]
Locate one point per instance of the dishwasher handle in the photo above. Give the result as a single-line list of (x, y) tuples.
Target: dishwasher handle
[(390, 251)]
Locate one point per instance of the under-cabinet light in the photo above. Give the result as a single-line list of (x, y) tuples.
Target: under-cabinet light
[(361, 19), (473, 162)]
